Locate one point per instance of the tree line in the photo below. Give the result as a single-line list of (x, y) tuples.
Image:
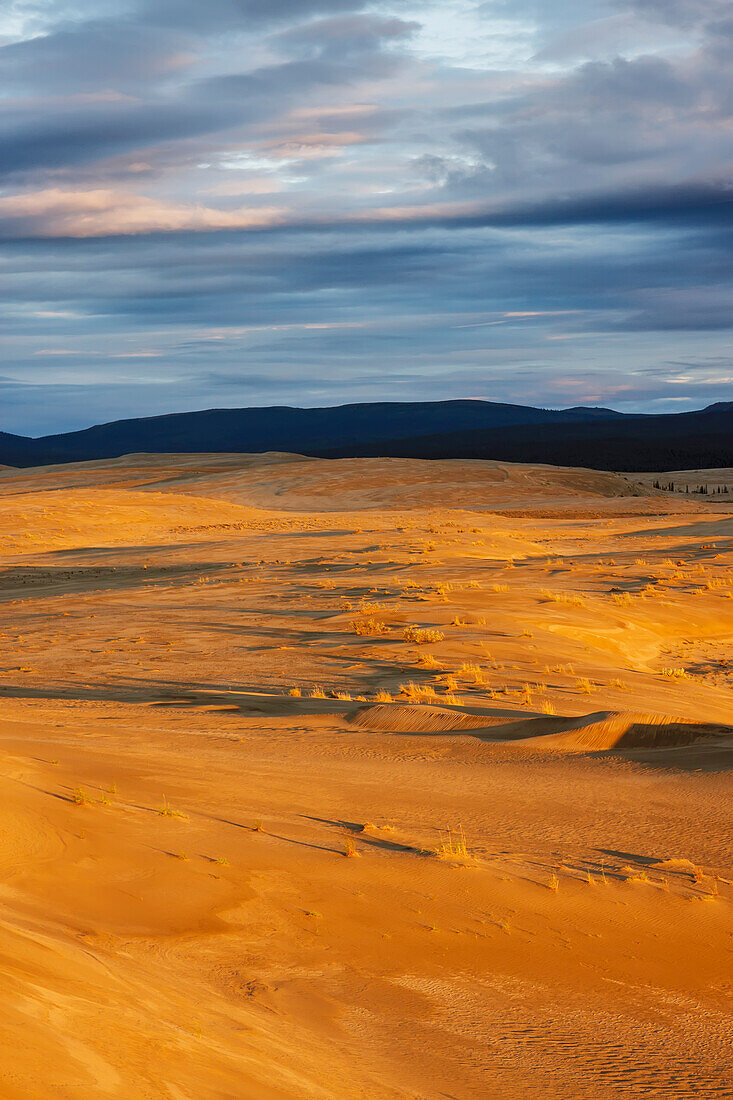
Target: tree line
[(703, 490)]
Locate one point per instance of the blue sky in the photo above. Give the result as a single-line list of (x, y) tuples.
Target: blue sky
[(250, 202)]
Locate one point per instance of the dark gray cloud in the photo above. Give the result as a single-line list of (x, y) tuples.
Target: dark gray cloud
[(97, 54), (75, 135), (215, 15)]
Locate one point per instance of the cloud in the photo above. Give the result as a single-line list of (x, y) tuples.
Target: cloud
[(672, 309), (622, 34), (93, 55), (684, 13), (331, 199), (100, 212), (77, 133), (685, 204), (56, 213), (345, 36), (238, 14)]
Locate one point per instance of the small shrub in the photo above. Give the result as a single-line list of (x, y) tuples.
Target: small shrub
[(563, 597), (422, 635), (369, 627), (367, 608)]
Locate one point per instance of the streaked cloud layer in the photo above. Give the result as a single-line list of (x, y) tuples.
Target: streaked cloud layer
[(315, 201)]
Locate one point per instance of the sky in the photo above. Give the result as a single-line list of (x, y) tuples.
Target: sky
[(311, 202)]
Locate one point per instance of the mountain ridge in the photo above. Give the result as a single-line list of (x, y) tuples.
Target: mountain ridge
[(465, 428)]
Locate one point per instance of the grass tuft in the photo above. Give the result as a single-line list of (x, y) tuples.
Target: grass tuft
[(454, 846), (166, 810)]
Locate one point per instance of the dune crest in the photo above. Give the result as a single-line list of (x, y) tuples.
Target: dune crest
[(600, 730), (411, 718), (627, 730)]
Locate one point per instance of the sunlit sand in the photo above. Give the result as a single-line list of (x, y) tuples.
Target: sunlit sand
[(363, 779)]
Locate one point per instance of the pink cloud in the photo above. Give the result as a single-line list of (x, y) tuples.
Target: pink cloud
[(102, 212)]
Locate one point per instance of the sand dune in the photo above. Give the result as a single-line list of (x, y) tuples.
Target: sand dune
[(297, 483), (586, 733), (626, 730), (363, 779)]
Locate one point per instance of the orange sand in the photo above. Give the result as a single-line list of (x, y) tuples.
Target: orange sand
[(537, 803)]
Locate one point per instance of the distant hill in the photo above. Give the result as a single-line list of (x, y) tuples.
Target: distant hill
[(593, 437), (281, 428), (18, 450), (678, 441)]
